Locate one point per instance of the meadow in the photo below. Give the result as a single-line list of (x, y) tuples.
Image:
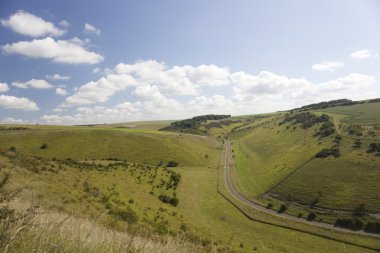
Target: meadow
[(308, 167), (359, 113), (119, 180)]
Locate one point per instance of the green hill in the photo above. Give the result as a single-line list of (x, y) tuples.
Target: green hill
[(312, 164)]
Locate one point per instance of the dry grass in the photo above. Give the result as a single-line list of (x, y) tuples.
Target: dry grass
[(58, 232)]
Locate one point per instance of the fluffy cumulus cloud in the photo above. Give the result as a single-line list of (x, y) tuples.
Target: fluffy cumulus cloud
[(126, 111), (88, 28), (11, 102), (60, 91), (34, 83), (362, 54), (30, 25), (264, 83), (217, 104), (327, 66), (58, 77), (61, 51), (157, 91), (4, 87), (11, 120), (177, 80), (100, 90)]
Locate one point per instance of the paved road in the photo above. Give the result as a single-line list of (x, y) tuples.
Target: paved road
[(253, 205)]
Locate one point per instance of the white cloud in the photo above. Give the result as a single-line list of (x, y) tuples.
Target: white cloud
[(4, 87), (88, 28), (11, 102), (57, 77), (178, 80), (362, 54), (60, 91), (34, 83), (11, 120), (265, 83), (351, 82), (156, 92), (30, 25), (64, 24), (99, 114), (61, 51), (327, 66), (100, 90), (210, 105)]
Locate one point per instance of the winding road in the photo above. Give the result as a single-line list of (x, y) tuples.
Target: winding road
[(256, 206)]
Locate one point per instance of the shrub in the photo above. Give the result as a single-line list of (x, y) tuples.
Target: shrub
[(126, 214), (353, 224), (282, 209), (168, 200), (172, 164), (372, 227), (373, 147), (311, 216), (328, 152)]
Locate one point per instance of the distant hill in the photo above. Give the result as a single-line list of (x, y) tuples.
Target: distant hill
[(192, 125), (334, 103)]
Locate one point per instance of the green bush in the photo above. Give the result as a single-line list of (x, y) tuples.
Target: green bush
[(282, 209), (372, 227), (172, 164), (126, 214), (311, 216), (169, 200), (353, 224), (328, 152)]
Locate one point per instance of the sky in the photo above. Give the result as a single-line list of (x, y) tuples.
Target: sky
[(90, 62)]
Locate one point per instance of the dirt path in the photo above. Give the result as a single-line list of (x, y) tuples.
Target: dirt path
[(256, 206)]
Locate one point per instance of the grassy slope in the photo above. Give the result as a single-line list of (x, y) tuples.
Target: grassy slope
[(201, 208), (266, 154), (367, 112), (98, 143), (338, 183)]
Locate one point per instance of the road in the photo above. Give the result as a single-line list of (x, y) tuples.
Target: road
[(256, 206)]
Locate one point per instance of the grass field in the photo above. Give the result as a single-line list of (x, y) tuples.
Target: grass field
[(142, 146), (278, 161), (268, 153), (103, 193), (367, 112), (337, 183), (208, 210)]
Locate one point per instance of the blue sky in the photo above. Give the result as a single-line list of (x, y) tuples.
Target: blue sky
[(78, 62)]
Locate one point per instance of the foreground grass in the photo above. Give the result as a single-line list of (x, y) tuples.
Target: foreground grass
[(59, 232)]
